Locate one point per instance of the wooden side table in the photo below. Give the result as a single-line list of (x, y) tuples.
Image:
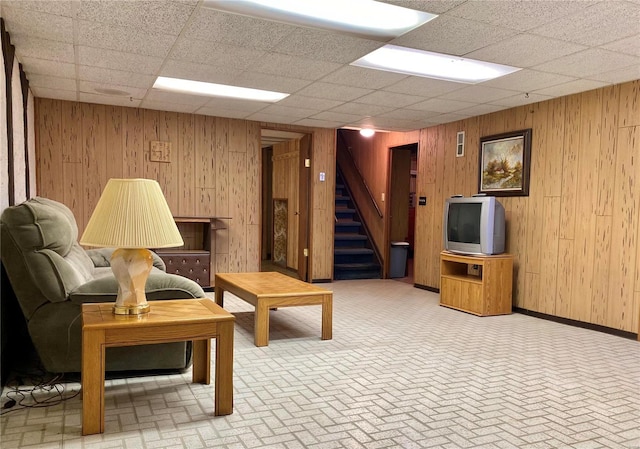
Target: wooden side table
[(197, 320)]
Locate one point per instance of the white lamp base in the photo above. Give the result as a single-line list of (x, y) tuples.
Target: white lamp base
[(131, 268)]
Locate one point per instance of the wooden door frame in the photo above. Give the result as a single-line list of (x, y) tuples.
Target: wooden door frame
[(389, 199), (304, 206)]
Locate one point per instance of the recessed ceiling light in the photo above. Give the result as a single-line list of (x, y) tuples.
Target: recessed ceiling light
[(363, 18), (216, 90), (410, 61), (367, 132)]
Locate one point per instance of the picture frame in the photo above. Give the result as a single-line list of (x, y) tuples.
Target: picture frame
[(505, 163)]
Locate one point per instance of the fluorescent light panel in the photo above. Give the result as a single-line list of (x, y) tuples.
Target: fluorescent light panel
[(216, 90), (410, 61), (363, 18)]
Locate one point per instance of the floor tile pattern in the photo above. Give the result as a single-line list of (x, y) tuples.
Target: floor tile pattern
[(400, 372)]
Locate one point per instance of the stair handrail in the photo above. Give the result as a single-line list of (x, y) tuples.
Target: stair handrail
[(341, 156)]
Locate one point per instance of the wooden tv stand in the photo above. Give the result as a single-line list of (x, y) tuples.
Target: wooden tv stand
[(485, 291)]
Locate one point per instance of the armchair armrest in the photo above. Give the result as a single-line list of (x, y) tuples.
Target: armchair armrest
[(159, 286), (101, 257)]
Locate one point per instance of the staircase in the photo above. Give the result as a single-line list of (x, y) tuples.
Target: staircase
[(353, 257)]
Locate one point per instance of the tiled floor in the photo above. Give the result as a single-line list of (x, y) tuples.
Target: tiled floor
[(400, 372)]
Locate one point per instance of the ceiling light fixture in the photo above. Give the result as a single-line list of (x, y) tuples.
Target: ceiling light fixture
[(216, 90), (367, 132), (363, 18), (411, 61)]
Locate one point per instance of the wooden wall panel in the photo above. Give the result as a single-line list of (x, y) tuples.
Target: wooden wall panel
[(575, 237), (624, 244), (607, 153), (80, 146)]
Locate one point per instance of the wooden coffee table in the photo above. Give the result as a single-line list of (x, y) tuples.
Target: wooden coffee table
[(268, 290), (197, 320)]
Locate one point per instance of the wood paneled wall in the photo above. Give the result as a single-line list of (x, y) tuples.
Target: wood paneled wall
[(286, 176), (576, 236), (215, 170)]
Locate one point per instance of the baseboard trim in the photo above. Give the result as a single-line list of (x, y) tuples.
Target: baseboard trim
[(576, 323), (320, 281), (426, 287)]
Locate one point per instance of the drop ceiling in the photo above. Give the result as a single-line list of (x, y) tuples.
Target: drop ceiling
[(80, 50)]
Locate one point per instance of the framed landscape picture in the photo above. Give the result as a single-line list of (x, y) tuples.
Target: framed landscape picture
[(504, 164)]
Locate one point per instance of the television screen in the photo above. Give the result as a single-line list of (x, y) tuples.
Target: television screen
[(464, 222)]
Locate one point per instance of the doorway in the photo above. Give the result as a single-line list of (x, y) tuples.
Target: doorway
[(285, 181), (402, 200)]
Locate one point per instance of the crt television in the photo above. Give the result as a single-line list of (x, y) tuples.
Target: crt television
[(474, 225)]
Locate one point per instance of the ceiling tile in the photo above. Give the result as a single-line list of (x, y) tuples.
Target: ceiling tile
[(270, 82), (519, 15), (525, 50), (200, 72), (108, 76), (52, 82), (480, 109), (90, 87), (629, 45), (165, 17), (478, 94), (453, 36), (362, 109), (604, 22), (47, 67), (448, 118), (318, 104), (116, 60), (236, 105), (325, 46), (426, 87), (222, 112), (337, 117), (173, 107), (273, 118), (315, 123), (37, 24), (392, 99), (286, 111), (333, 91), (441, 106), (432, 6), (56, 94), (521, 99), (619, 76), (33, 47), (528, 80), (588, 62), (293, 66), (109, 100), (127, 40), (571, 88), (65, 8), (389, 123), (409, 114), (361, 77), (173, 97), (234, 29), (203, 52)]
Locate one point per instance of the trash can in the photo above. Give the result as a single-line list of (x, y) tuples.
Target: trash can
[(398, 261)]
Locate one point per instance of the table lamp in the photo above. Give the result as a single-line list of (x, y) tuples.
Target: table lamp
[(131, 215)]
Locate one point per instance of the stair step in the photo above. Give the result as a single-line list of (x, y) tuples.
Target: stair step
[(348, 236), (357, 266), (352, 251), (343, 198)]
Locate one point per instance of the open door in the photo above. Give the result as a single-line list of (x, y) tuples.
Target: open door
[(399, 197), (304, 207)]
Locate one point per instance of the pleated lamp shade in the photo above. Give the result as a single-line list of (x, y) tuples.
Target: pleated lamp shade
[(132, 213)]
